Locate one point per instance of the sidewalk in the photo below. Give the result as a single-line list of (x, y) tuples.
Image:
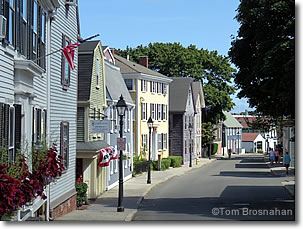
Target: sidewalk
[(280, 171), (135, 189)]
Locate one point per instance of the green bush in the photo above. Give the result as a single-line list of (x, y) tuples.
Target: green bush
[(176, 161), (81, 189), (214, 148), (165, 164)]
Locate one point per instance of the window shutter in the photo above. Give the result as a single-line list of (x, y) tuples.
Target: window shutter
[(6, 125), (67, 154), (80, 124), (61, 138), (1, 125), (17, 127)]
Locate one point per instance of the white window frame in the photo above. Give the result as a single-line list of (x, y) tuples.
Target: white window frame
[(143, 85), (160, 146), (133, 86), (159, 111), (143, 111), (164, 141), (152, 111)]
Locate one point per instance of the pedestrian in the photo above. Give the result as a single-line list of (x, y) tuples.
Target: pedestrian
[(286, 162), (271, 156), (276, 156), (229, 153)]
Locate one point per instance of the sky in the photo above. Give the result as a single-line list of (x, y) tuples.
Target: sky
[(208, 24)]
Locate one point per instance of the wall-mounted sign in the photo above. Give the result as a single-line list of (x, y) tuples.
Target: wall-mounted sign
[(121, 142), (99, 126)]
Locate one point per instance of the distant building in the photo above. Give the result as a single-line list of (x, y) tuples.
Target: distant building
[(233, 134), (253, 142)]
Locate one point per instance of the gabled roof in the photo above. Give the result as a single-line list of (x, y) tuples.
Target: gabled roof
[(249, 137), (231, 121), (243, 120), (115, 83), (178, 93), (198, 92), (127, 66), (85, 67), (88, 46)]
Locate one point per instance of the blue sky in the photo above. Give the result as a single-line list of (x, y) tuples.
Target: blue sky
[(208, 24)]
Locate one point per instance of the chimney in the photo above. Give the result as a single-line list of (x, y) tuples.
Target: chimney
[(143, 60)]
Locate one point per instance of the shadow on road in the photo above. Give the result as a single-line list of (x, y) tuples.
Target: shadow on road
[(234, 203)]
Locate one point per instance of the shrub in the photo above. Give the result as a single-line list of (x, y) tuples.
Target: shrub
[(81, 189), (165, 164), (214, 148), (176, 161)]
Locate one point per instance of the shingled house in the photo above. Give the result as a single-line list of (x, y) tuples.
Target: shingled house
[(181, 114)]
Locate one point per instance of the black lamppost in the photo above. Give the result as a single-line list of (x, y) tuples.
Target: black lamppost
[(223, 138), (238, 133), (190, 127), (150, 126), (121, 107)]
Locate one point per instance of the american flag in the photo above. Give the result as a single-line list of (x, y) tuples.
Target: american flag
[(69, 52)]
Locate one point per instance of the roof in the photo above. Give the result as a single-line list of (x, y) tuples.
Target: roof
[(127, 66), (88, 46), (243, 120), (115, 83), (249, 137), (178, 93), (230, 121), (92, 146), (198, 91)]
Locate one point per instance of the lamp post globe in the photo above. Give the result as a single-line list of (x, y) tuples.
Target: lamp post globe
[(121, 108)]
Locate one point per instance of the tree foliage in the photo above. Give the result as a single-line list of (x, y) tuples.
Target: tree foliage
[(208, 133), (264, 52), (174, 60)]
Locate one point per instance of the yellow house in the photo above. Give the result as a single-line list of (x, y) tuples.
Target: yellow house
[(149, 90), (91, 104)]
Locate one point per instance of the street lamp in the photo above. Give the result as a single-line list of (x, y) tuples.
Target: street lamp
[(223, 138), (190, 127), (150, 126), (238, 133), (121, 107)]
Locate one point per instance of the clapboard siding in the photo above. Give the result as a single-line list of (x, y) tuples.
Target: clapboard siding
[(63, 105), (6, 77)]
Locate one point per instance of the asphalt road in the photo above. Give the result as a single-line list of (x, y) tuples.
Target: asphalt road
[(242, 188)]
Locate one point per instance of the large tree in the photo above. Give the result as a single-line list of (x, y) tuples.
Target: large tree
[(212, 69), (264, 52)]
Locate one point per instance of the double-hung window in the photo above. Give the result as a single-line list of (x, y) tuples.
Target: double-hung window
[(129, 84), (152, 111), (65, 69), (64, 143), (35, 29), (11, 22), (164, 141), (144, 142), (159, 111), (143, 111), (159, 142), (143, 85)]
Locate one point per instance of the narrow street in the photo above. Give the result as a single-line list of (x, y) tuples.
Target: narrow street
[(241, 188)]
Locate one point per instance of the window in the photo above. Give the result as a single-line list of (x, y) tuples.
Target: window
[(143, 111), (152, 111), (159, 88), (144, 142), (129, 84), (64, 143), (11, 22), (164, 141), (159, 112), (143, 85), (65, 69), (35, 27), (159, 142), (164, 90), (24, 9), (153, 87), (164, 113), (111, 117), (97, 72)]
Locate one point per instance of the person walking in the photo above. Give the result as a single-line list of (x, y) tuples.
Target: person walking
[(277, 156), (286, 162), (271, 156)]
